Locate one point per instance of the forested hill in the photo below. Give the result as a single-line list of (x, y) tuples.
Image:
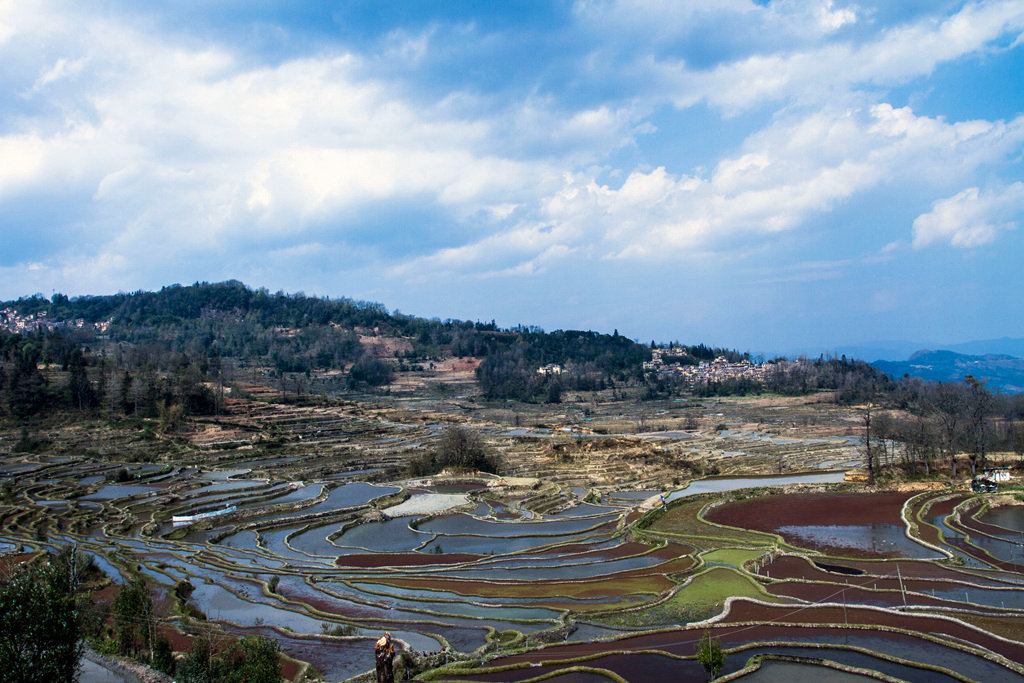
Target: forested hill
[(178, 304), (204, 324), (236, 320)]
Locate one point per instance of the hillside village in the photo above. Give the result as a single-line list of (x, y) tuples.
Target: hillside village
[(16, 323), (718, 370)]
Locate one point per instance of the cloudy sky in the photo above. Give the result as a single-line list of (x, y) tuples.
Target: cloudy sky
[(758, 175)]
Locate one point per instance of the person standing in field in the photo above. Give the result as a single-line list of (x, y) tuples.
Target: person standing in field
[(384, 652)]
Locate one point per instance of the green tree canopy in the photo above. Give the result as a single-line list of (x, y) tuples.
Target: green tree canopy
[(39, 629), (710, 655), (133, 617)]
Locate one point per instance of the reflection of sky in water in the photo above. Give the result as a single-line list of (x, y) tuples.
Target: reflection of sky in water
[(1005, 598), (109, 569), (219, 603), (730, 484), (302, 493), (273, 540), (19, 467), (349, 495), (222, 486), (880, 538), (558, 573), (460, 614), (242, 539), (118, 491), (544, 559), (315, 541), (221, 475), (588, 632), (422, 503), (948, 533), (465, 524), (1006, 550), (914, 650), (581, 510), (456, 607), (632, 495), (391, 536), (488, 545), (1009, 517)]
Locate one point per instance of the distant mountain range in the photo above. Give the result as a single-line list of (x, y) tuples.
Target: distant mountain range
[(1000, 371), (999, 362), (892, 350)]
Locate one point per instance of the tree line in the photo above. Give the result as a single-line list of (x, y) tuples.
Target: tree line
[(169, 352), (587, 361), (917, 425), (43, 373)]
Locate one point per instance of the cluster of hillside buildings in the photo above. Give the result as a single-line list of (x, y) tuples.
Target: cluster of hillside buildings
[(718, 370), (12, 321)]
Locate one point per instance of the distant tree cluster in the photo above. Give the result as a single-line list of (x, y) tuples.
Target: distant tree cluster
[(458, 448), (734, 386), (921, 423), (42, 373), (588, 361), (370, 371), (851, 380)]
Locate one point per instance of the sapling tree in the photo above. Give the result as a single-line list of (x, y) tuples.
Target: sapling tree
[(710, 655)]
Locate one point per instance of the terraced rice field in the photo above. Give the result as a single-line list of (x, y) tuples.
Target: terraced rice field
[(487, 578)]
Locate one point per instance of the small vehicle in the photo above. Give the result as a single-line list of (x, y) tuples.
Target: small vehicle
[(983, 485)]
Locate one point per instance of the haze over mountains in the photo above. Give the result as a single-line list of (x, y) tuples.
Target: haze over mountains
[(998, 362), (898, 350), (998, 371)]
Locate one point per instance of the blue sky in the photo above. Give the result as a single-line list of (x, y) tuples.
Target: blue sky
[(759, 175)]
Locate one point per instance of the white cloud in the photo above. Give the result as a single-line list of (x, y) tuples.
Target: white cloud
[(819, 72), (190, 155), (187, 148), (832, 19), (62, 69), (970, 218), (789, 171), (797, 168), (23, 161)]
